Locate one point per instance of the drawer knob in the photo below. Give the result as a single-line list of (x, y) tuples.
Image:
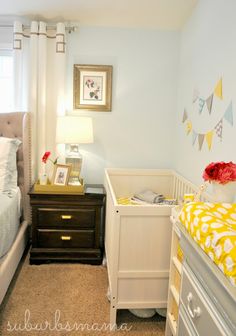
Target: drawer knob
[(65, 237), (66, 216), (195, 312)]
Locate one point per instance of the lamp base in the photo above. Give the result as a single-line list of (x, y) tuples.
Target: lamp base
[(76, 164), (72, 150), (74, 158)]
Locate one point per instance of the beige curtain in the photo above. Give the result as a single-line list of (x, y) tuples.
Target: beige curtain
[(39, 82)]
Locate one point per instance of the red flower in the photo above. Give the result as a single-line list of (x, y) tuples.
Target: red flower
[(45, 157), (221, 172)]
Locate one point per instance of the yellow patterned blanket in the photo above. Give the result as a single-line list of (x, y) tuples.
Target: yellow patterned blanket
[(213, 227)]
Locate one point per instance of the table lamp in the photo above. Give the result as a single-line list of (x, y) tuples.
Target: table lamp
[(73, 131)]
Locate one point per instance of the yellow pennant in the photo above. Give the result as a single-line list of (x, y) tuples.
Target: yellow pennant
[(188, 127), (218, 89), (209, 137)]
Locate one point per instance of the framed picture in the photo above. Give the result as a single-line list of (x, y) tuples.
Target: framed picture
[(61, 174), (92, 87)]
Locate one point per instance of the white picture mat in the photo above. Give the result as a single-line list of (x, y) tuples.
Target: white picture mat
[(61, 175), (99, 78)]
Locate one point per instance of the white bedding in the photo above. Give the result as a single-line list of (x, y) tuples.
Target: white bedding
[(10, 212)]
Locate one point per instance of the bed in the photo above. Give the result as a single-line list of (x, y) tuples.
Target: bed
[(16, 125)]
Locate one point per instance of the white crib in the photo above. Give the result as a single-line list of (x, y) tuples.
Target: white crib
[(138, 238)]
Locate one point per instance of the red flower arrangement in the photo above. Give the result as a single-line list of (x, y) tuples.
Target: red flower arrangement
[(221, 172), (46, 157)]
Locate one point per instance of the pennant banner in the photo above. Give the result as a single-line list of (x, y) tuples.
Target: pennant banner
[(209, 137), (209, 101), (218, 89), (185, 116), (200, 140), (219, 129), (201, 104), (188, 127), (229, 114)]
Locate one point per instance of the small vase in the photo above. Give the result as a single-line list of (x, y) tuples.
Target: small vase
[(43, 179), (224, 193)]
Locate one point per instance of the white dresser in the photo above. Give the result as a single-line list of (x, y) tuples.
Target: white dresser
[(207, 299)]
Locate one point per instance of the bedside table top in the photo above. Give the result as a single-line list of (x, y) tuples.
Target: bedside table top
[(94, 189), (93, 193), (89, 189)]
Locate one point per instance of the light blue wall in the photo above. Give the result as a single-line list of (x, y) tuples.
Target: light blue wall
[(138, 131), (150, 69), (207, 52)]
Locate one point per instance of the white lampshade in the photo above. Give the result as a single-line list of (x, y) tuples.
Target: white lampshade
[(74, 130)]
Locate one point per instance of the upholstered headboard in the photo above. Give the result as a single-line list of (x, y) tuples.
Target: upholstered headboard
[(17, 125)]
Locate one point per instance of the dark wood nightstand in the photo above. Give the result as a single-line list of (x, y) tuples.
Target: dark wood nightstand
[(68, 227)]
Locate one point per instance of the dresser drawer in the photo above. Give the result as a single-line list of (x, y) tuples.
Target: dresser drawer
[(183, 327), (198, 308), (65, 238), (82, 218)]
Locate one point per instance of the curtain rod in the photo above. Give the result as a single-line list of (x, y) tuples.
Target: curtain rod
[(68, 28)]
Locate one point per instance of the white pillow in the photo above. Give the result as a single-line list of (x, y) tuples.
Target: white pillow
[(8, 169)]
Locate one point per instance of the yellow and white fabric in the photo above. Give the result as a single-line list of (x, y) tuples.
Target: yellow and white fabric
[(136, 201), (126, 201), (213, 227)]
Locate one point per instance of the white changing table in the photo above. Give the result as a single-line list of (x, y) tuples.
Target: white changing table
[(207, 300)]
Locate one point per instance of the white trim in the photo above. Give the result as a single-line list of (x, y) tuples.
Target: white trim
[(69, 27)]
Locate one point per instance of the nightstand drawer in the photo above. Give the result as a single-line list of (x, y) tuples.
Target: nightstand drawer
[(82, 218), (65, 238)]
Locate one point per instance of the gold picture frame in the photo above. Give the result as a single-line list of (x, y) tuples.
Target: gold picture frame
[(93, 87), (61, 174)]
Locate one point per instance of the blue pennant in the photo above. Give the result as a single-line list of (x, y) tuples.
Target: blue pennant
[(229, 114)]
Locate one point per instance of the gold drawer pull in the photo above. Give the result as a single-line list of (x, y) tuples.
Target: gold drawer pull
[(65, 237), (66, 216)]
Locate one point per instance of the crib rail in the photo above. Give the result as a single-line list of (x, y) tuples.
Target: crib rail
[(182, 186)]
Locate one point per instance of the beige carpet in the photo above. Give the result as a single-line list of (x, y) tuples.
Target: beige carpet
[(67, 296)]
